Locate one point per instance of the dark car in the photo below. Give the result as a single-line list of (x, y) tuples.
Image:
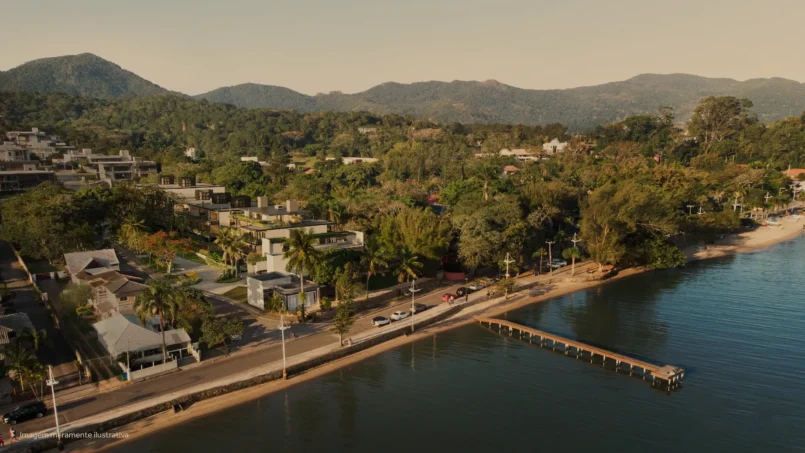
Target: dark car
[(27, 412), (462, 291), (418, 308)]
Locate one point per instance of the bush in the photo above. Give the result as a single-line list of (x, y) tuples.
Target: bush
[(326, 304), (189, 279)]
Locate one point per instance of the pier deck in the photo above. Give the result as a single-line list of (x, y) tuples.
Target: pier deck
[(667, 374)]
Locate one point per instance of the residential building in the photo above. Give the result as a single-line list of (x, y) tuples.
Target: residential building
[(191, 153), (10, 151), (91, 262), (519, 154), (113, 293), (120, 334), (266, 227), (262, 287), (111, 168), (11, 328), (39, 143), (509, 170), (15, 180), (358, 160), (554, 146), (366, 130), (200, 203)]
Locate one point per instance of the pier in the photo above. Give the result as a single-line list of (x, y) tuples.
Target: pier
[(667, 375)]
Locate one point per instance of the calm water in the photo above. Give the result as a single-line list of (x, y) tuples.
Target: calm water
[(736, 324)]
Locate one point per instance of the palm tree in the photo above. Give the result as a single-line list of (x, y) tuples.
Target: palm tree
[(408, 265), (374, 259), (233, 246), (572, 253), (302, 256), (130, 229), (156, 300), (335, 212), (35, 338), (19, 361)]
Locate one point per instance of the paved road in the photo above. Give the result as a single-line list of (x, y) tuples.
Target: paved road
[(250, 356)]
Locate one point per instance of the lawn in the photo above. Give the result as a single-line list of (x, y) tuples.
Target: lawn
[(192, 257), (239, 293)]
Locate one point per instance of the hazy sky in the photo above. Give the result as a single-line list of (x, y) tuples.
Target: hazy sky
[(351, 45)]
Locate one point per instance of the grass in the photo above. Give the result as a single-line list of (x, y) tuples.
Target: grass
[(225, 277), (192, 257), (239, 293)]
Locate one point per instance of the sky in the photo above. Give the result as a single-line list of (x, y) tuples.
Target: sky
[(314, 46)]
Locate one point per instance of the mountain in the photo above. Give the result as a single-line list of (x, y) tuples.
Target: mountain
[(494, 102), (83, 75), (458, 101)]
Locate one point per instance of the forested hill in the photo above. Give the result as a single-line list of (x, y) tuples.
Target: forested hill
[(82, 75), (493, 102), (581, 109)]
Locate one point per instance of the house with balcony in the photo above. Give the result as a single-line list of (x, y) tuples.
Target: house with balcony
[(200, 203), (267, 227), (18, 171), (39, 143), (262, 287), (554, 146), (113, 293)]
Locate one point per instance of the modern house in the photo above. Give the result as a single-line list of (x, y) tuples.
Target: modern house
[(39, 143), (554, 146), (262, 287), (113, 293), (91, 262), (18, 171), (10, 151), (519, 154), (11, 328), (191, 153), (200, 203), (119, 334), (111, 168), (266, 227)]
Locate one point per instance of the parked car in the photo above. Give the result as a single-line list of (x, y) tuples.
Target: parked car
[(27, 412), (448, 297), (462, 291), (477, 286), (398, 315), (418, 308), (380, 321), (557, 263)]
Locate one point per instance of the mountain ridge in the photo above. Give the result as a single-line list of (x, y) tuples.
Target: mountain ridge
[(465, 101)]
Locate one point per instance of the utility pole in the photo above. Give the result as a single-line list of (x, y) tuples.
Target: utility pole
[(283, 327), (128, 361), (550, 256), (690, 209), (414, 290), (52, 383), (508, 260), (573, 258)]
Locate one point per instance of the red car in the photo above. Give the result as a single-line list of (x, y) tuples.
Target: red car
[(448, 297)]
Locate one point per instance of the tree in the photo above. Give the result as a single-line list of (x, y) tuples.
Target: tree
[(34, 338), (302, 257), (506, 285), (374, 259), (719, 117), (343, 319), (19, 361), (572, 253), (130, 233), (216, 331), (233, 246), (540, 253), (156, 300), (408, 265), (165, 246)]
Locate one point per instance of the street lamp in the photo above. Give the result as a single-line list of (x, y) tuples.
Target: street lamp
[(550, 256), (283, 327), (52, 384), (690, 209), (414, 290), (573, 268)]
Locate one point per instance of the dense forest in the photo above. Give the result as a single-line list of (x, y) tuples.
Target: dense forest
[(624, 189)]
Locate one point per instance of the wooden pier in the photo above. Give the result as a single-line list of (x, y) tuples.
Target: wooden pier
[(668, 375)]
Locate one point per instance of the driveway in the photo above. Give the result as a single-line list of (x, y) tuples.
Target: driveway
[(208, 276)]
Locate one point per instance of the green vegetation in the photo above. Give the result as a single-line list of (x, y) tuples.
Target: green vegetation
[(238, 293)]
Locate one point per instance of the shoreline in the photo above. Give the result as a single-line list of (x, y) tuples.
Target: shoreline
[(747, 242)]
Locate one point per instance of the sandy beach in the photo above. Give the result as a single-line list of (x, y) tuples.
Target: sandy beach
[(750, 241)]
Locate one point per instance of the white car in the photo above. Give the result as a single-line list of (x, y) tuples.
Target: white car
[(380, 321), (477, 286), (557, 263), (398, 315)]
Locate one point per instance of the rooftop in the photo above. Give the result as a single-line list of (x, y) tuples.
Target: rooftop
[(123, 333), (17, 323), (78, 261)]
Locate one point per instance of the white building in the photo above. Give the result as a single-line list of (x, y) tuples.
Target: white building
[(191, 153), (554, 146), (261, 287)]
